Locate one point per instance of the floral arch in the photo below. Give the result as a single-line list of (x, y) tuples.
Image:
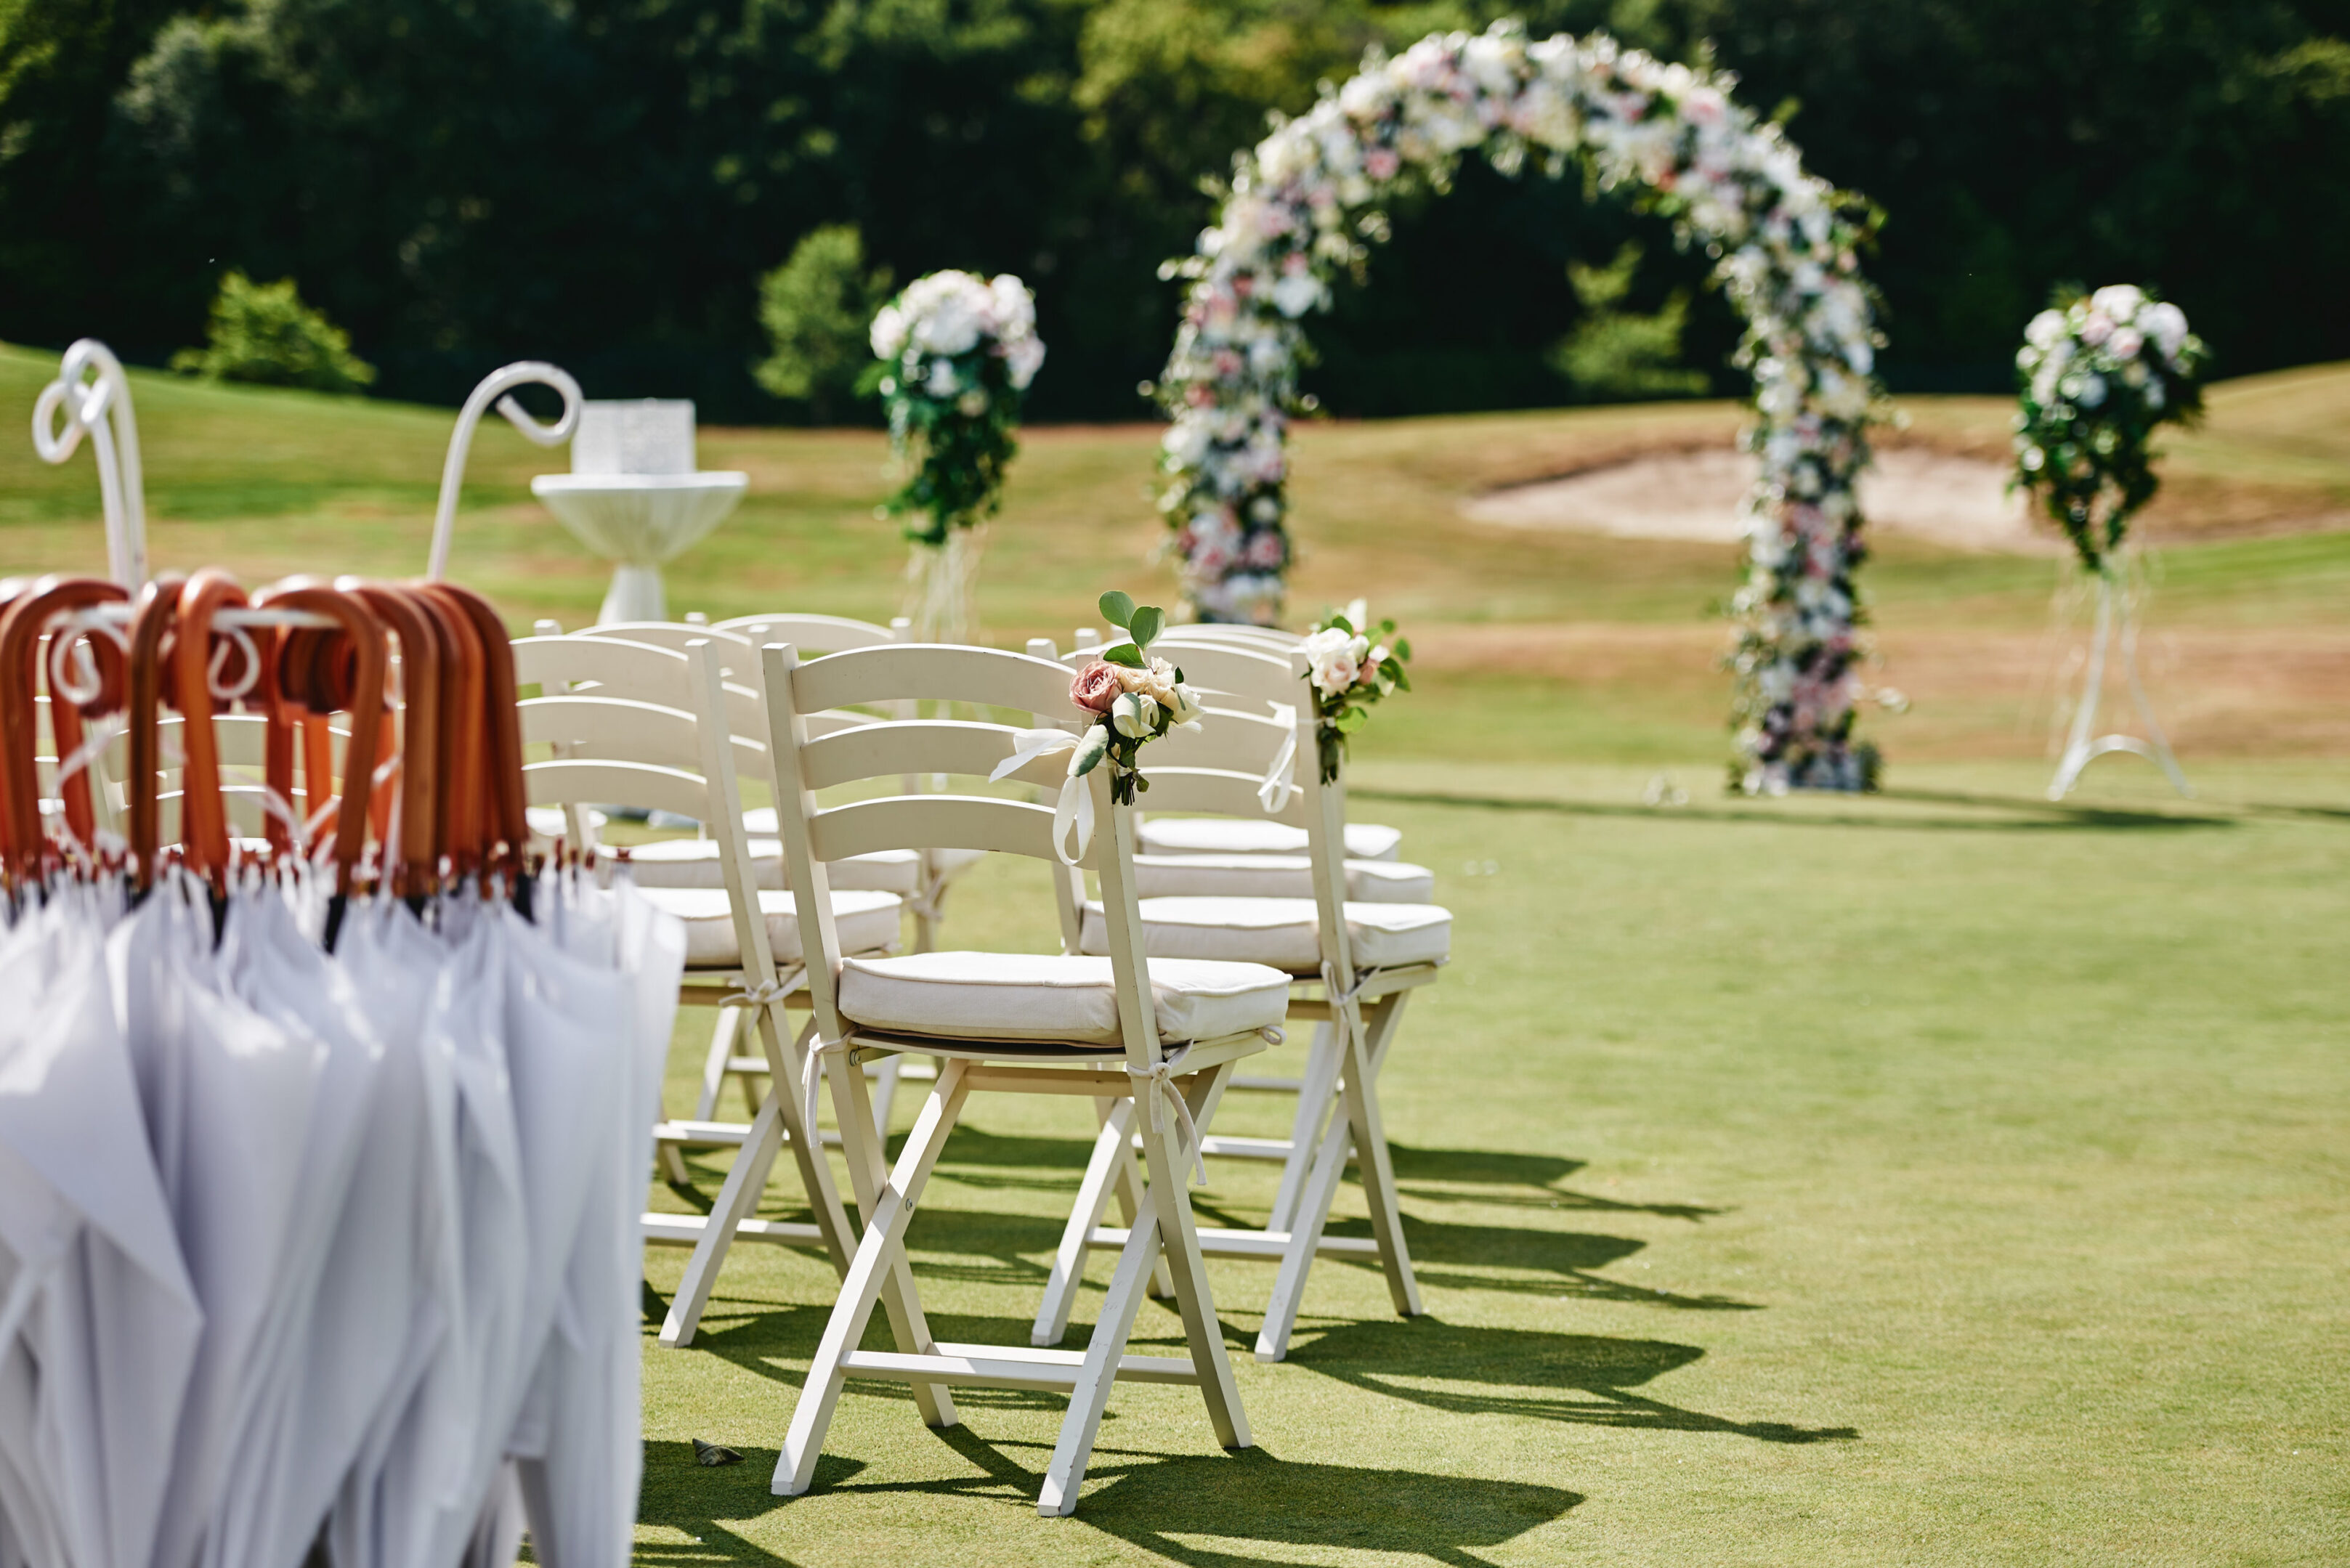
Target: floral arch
[(1308, 200)]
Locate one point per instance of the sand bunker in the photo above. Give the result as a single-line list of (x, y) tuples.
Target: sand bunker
[(1957, 500)]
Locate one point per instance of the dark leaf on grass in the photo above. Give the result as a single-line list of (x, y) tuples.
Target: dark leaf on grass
[(711, 1454)]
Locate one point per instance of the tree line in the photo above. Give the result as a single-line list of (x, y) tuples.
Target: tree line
[(606, 183)]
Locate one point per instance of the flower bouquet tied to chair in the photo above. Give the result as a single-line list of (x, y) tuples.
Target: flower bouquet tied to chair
[(954, 355), (1352, 664), (1131, 699)]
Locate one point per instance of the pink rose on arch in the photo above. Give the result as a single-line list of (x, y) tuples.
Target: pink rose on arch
[(1095, 686), (1265, 551), (1381, 162)]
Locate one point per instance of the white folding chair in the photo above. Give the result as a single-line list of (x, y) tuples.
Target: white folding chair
[(1120, 1027), (642, 726), (1356, 962), (920, 878)]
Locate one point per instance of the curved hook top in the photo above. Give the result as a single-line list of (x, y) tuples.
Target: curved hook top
[(94, 396), (494, 387)]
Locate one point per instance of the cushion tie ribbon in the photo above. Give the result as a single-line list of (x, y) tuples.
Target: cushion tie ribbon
[(1157, 1081), (811, 1077)]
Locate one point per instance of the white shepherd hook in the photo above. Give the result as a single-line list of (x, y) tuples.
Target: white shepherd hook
[(494, 387), (2080, 749), (94, 396)]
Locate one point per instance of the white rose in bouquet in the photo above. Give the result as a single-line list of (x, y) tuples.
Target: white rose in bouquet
[(1331, 655)]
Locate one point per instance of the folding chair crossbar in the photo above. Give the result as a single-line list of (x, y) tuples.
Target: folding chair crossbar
[(930, 1367)]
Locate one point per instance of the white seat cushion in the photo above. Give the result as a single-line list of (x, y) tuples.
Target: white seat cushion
[(1276, 877), (1242, 835), (1281, 932), (693, 863), (865, 922), (1051, 998)]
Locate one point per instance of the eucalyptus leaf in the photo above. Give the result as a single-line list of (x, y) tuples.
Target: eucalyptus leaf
[(1090, 751), (1124, 653), (1148, 622), (1402, 646), (1351, 719), (1118, 608)]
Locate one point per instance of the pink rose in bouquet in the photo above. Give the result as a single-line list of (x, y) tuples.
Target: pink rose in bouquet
[(1096, 687)]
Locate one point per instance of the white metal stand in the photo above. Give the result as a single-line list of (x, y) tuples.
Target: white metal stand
[(2080, 748)]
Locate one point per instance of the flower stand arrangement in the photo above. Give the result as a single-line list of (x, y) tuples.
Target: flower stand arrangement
[(2098, 373), (955, 353)]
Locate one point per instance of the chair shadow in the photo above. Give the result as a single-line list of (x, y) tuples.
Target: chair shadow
[(1238, 1510), (708, 1502), (2044, 815), (1487, 1371), (1429, 1173)]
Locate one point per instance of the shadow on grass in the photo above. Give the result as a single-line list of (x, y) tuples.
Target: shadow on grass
[(2045, 815), (707, 1504), (1526, 1373), (1240, 1509), (1435, 1173)]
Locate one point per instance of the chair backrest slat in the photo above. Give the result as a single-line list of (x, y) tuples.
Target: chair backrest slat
[(983, 677), (644, 731), (601, 781), (951, 746), (932, 822), (812, 634)]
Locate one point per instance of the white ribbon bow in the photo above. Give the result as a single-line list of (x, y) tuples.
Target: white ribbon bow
[(765, 993), (1076, 806), (1153, 1084), (1281, 779)]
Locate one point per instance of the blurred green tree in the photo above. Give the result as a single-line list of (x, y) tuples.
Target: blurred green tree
[(1616, 355), (262, 332), (818, 308)]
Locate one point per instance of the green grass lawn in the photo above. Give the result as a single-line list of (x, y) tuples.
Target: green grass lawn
[(1940, 1177)]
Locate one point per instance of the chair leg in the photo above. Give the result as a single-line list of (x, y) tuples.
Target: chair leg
[(868, 1174), (1110, 1159), (1304, 1236), (1315, 1096), (1179, 1230), (807, 1143), (736, 1201), (885, 1091), (1163, 1231), (877, 1254), (1127, 1182), (774, 1123), (1361, 1127), (714, 1066), (1372, 1161)]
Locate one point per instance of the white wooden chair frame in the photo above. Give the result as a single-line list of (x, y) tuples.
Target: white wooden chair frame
[(1338, 1112), (886, 1195), (679, 757), (738, 640)]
